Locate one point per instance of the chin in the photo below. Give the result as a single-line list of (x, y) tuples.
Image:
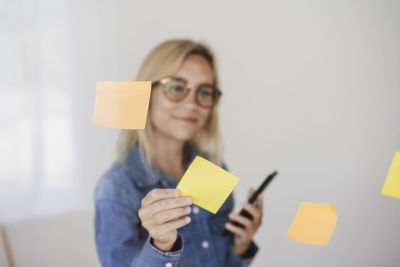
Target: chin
[(182, 135)]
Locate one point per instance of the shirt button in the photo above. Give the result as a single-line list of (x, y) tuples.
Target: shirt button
[(204, 244), (168, 264), (196, 210), (164, 183)]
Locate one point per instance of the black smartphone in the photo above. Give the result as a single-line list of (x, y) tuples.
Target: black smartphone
[(252, 199)]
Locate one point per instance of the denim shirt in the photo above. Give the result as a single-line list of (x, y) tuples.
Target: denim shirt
[(122, 241)]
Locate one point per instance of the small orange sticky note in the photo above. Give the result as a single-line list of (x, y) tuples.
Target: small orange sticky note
[(313, 224), (207, 184), (391, 187), (122, 105)]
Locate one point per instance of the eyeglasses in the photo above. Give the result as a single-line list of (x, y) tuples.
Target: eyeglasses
[(176, 89)]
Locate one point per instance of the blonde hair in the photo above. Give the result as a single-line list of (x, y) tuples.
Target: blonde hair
[(164, 60)]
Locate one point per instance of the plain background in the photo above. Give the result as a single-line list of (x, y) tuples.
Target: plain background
[(311, 88)]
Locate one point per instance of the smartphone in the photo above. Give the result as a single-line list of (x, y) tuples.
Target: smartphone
[(253, 199)]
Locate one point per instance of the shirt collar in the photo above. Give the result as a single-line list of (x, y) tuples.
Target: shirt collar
[(148, 174)]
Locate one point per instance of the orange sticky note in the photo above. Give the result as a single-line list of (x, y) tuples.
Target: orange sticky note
[(122, 105), (313, 224), (391, 187), (207, 184)]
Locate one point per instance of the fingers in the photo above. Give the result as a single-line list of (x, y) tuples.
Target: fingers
[(158, 232), (246, 222), (176, 224), (160, 214), (157, 194), (250, 192), (160, 223), (255, 212), (169, 215), (237, 230), (165, 204), (251, 225), (259, 203)]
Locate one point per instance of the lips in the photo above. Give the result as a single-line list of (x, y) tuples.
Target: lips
[(186, 119)]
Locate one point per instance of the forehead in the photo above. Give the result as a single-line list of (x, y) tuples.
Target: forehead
[(196, 70)]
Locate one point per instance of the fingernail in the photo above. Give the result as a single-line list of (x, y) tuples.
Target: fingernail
[(187, 219)]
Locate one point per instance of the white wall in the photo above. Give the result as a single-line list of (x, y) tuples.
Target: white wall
[(311, 88)]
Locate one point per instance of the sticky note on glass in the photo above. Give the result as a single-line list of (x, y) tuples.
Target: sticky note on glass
[(122, 105), (313, 224), (208, 184), (392, 184)]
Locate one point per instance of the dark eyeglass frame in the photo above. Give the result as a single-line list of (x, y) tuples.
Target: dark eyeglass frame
[(216, 94)]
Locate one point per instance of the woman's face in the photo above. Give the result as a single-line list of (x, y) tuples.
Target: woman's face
[(182, 120)]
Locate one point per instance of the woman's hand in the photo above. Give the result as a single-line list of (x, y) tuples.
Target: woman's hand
[(244, 236), (160, 216)]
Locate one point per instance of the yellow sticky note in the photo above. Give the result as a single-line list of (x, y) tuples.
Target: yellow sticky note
[(207, 184), (313, 224), (392, 184), (122, 105)]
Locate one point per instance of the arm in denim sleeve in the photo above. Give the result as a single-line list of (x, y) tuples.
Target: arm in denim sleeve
[(121, 241), (233, 260)]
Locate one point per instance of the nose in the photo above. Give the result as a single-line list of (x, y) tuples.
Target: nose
[(190, 99)]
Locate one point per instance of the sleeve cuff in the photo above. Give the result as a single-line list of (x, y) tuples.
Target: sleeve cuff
[(250, 252), (175, 248), (157, 258)]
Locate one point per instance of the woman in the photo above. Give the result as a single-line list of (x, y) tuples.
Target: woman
[(140, 218)]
